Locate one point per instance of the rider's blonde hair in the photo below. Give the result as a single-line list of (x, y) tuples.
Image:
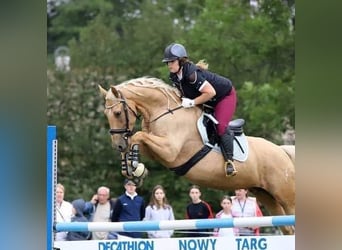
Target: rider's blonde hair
[(202, 64)]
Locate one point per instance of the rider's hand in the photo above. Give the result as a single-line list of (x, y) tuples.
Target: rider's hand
[(187, 103)]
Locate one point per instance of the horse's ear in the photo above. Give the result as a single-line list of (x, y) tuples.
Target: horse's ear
[(115, 92), (102, 90)]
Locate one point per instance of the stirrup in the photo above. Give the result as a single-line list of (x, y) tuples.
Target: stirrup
[(229, 168)]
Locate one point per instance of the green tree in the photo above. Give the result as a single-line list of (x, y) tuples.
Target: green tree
[(95, 48), (267, 108), (243, 47), (85, 158), (70, 18)]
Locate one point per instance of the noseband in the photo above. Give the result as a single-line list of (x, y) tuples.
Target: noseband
[(127, 132)]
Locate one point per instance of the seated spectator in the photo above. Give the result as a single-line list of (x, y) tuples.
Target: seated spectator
[(77, 209)]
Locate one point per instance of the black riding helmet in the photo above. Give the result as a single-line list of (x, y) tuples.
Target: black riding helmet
[(173, 52)]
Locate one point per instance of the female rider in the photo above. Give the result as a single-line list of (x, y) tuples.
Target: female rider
[(200, 86)]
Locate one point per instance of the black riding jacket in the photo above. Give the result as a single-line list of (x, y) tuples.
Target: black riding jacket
[(194, 77)]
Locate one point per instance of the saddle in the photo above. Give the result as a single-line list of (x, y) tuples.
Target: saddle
[(236, 126), (206, 125)]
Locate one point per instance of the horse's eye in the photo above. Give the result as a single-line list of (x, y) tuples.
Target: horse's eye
[(117, 113)]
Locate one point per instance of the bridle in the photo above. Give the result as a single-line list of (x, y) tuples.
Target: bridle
[(126, 132), (132, 156)]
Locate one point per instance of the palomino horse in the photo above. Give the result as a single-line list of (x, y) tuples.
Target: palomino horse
[(291, 151), (169, 135)]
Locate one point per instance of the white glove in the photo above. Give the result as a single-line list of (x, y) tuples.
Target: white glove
[(187, 103)]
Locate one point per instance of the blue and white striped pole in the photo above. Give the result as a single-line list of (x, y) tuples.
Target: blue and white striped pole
[(142, 226)]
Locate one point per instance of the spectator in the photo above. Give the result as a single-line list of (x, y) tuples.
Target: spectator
[(226, 212), (77, 209), (63, 210), (244, 206), (100, 209), (159, 209), (129, 207), (198, 209)]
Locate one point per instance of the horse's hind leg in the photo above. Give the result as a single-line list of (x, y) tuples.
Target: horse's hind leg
[(272, 206)]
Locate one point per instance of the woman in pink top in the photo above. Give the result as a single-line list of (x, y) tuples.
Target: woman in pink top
[(226, 212)]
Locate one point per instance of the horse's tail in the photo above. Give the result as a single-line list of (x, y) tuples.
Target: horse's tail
[(290, 150)]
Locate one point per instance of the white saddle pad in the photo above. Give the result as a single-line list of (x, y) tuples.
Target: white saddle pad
[(240, 142)]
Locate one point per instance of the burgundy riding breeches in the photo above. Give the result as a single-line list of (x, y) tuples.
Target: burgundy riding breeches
[(225, 110)]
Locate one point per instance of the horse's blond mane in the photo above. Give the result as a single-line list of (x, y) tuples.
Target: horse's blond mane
[(153, 83)]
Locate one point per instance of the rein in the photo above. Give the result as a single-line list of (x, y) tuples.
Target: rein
[(169, 111)]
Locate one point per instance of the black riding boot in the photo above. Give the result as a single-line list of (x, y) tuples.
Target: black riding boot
[(227, 151)]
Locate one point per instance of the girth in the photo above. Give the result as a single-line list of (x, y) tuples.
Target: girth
[(184, 168)]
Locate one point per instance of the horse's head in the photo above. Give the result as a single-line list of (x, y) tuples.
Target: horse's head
[(121, 115)]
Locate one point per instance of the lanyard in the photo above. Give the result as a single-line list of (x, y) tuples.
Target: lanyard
[(242, 207)]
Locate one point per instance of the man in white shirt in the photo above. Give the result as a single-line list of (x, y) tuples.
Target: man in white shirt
[(100, 207)]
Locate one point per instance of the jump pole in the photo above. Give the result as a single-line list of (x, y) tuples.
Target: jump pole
[(143, 226)]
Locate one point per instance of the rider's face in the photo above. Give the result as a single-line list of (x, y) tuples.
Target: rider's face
[(173, 66)]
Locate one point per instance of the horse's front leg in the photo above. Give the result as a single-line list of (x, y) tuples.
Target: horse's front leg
[(156, 146), (131, 168)]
